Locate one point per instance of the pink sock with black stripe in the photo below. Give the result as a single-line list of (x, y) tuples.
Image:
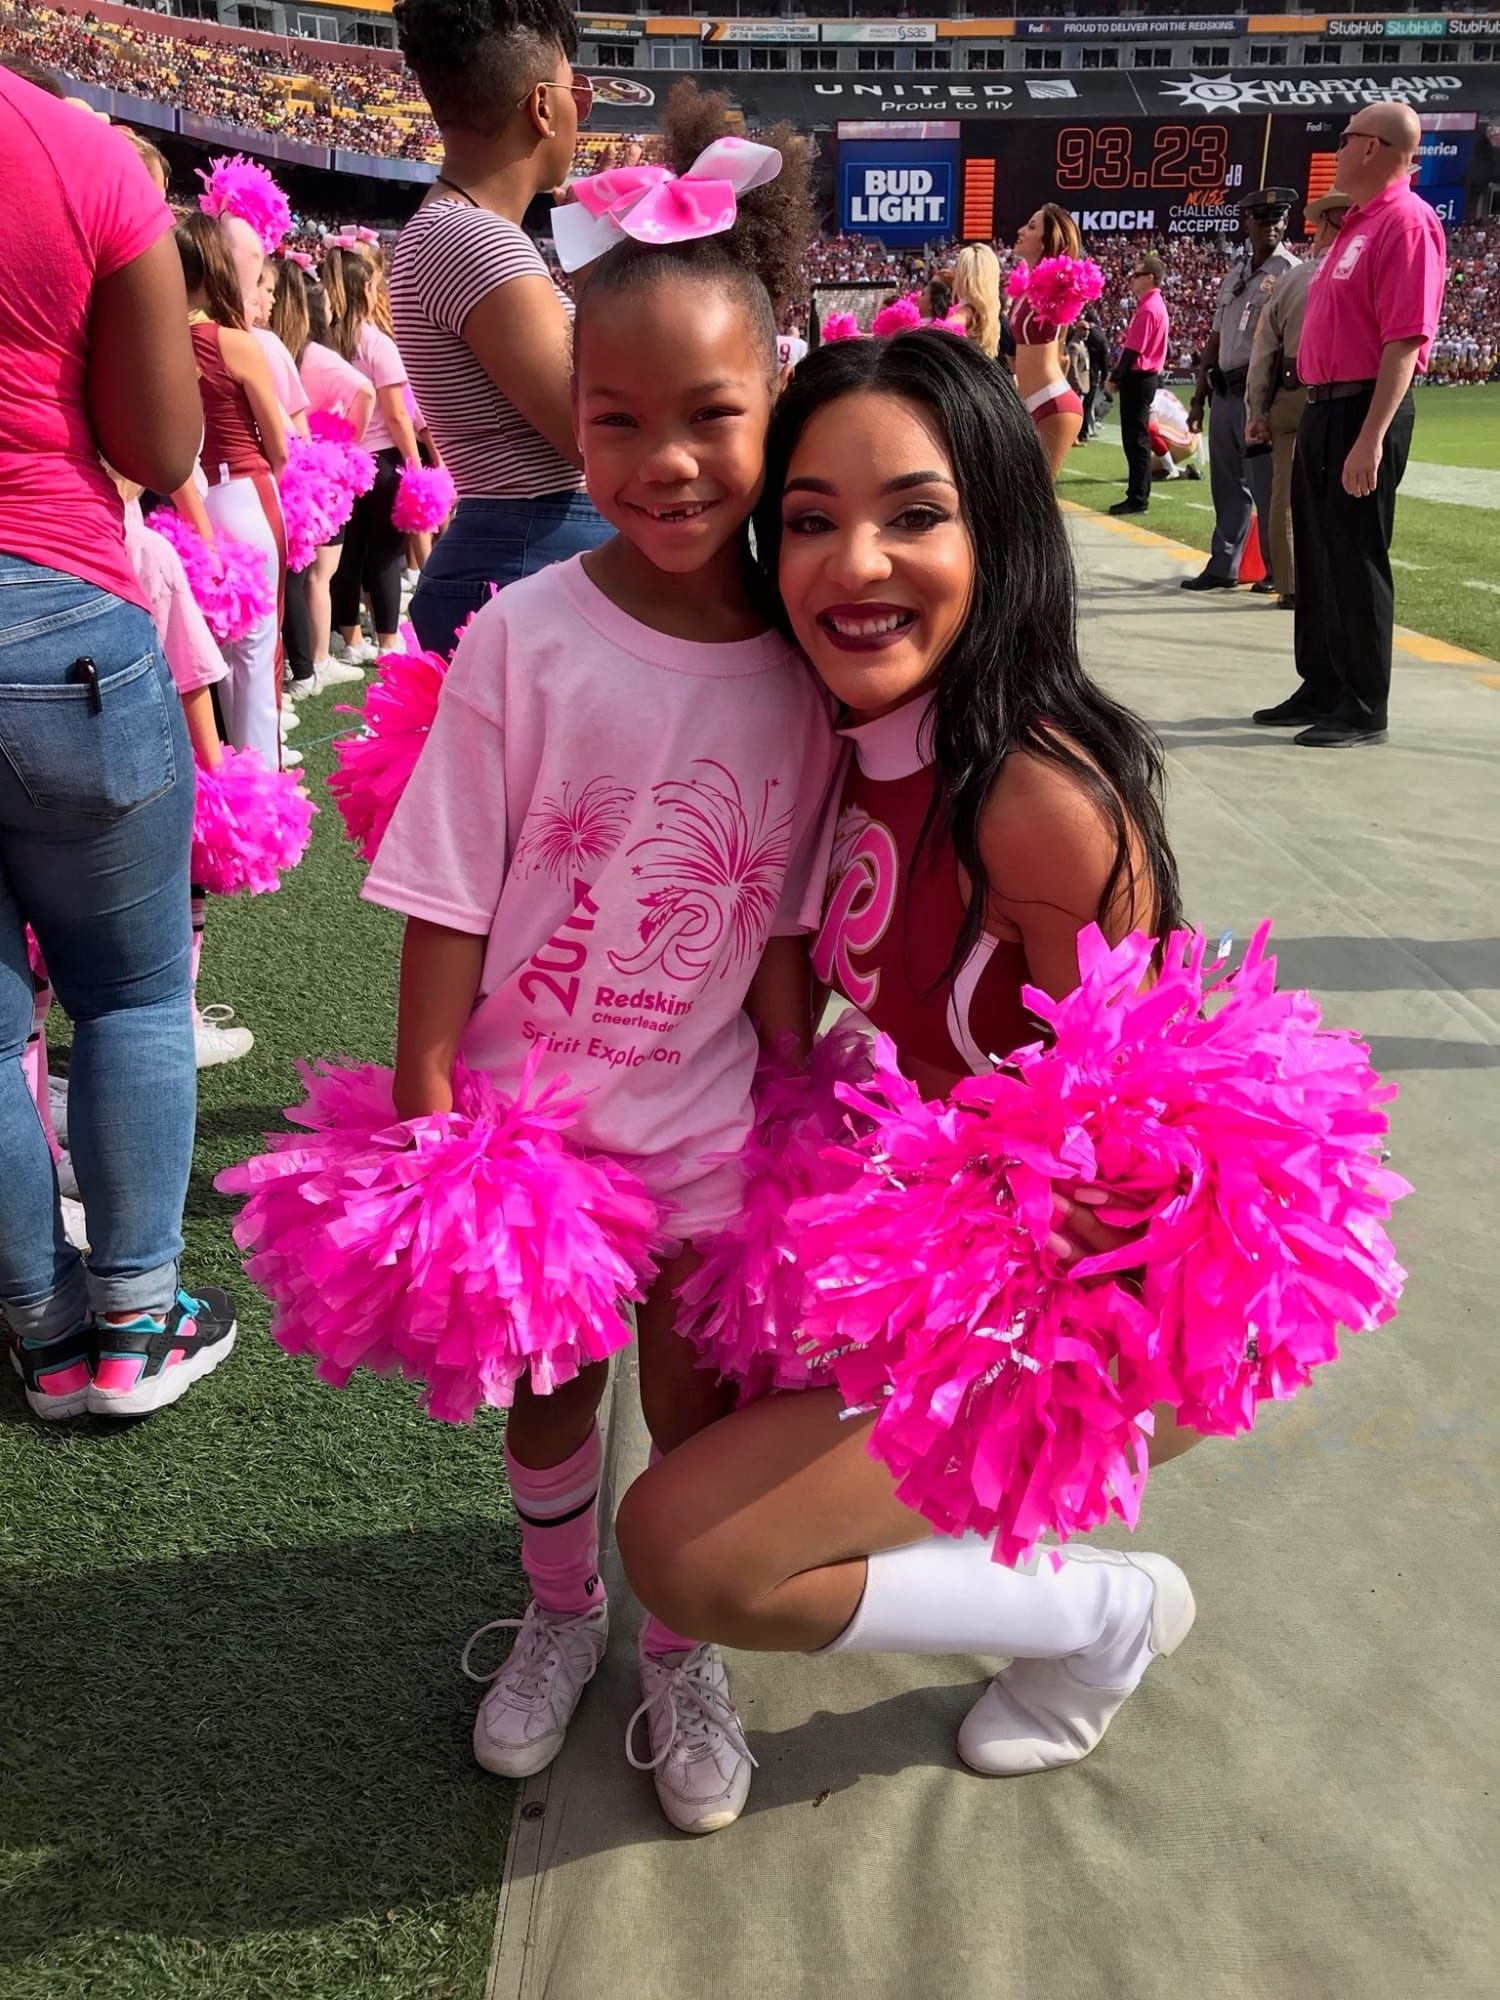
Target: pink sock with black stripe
[(558, 1508)]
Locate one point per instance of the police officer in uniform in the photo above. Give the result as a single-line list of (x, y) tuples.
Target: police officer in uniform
[(1240, 481)]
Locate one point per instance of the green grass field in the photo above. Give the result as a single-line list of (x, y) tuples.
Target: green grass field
[(1447, 568), (235, 1759)]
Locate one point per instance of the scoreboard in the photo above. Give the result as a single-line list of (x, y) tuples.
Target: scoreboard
[(1174, 177)]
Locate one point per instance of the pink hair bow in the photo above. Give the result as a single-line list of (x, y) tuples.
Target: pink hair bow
[(344, 241), (653, 205), (298, 257), (363, 235)]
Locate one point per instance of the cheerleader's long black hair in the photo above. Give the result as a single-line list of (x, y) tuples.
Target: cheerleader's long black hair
[(1012, 679)]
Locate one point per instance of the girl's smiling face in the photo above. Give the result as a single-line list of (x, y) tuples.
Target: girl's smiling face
[(672, 398), (876, 567)]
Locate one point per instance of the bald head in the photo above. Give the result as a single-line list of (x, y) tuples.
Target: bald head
[(1377, 146)]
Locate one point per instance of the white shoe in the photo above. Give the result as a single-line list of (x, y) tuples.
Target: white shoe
[(290, 719), (57, 1104), (75, 1224), (1038, 1714), (359, 654), (532, 1695), (699, 1760), (215, 1041), (291, 760), (67, 1180), (299, 690), (340, 673)]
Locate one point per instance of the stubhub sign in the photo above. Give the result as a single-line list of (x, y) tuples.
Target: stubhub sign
[(902, 193)]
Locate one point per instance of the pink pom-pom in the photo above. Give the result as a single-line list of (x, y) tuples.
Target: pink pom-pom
[(249, 825), (372, 767), (233, 185), (1060, 288), (465, 1250), (840, 326), (316, 496), (1013, 1396), (742, 1305), (424, 499), (229, 581), (951, 325), (900, 316), (1019, 282)]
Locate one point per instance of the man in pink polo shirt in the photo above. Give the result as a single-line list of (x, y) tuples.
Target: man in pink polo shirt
[(1136, 378), (1372, 309)]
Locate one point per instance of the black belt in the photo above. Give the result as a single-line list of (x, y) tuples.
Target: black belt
[(1335, 392), (1236, 378)]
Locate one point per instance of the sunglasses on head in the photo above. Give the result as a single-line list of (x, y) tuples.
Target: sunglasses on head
[(581, 90)]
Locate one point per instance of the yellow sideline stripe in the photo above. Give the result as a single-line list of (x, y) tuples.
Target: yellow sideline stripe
[(1416, 645)]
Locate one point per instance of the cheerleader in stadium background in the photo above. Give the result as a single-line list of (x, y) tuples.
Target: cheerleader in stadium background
[(334, 387), (976, 296), (243, 455), (1041, 369), (374, 551), (484, 330), (924, 570)]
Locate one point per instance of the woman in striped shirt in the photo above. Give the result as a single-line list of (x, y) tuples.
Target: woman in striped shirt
[(484, 333)]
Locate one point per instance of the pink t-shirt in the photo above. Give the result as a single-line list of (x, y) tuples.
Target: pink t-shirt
[(626, 818), (331, 382), (88, 208), (378, 359), (193, 657), (1147, 333), (285, 380), (1382, 280)]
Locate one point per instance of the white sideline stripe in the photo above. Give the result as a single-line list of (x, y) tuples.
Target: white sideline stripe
[(1397, 562), (1473, 583)]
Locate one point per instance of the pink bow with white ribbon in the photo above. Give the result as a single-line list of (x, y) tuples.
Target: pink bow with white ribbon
[(653, 205), (298, 257)]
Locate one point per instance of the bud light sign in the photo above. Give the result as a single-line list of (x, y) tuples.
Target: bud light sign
[(900, 193)]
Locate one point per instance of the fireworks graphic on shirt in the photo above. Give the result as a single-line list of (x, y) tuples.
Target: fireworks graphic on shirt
[(721, 867), (566, 836)]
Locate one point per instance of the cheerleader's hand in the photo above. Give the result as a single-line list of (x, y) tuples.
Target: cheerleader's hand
[(1078, 1232)]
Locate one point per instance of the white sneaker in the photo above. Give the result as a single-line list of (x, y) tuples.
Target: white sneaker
[(291, 760), (341, 673), (359, 654), (57, 1104), (290, 719), (215, 1041), (1038, 1714), (75, 1224), (699, 1760), (299, 690), (532, 1695)]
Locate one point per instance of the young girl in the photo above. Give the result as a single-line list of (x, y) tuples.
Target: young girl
[(998, 801), (374, 549), (1041, 368), (242, 456), (334, 388), (607, 853)]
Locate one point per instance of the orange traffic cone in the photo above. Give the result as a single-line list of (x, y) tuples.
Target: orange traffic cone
[(1252, 562)]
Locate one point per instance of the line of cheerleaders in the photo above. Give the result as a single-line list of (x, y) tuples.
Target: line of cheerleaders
[(922, 1299)]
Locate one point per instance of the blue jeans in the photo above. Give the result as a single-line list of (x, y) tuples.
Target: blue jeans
[(96, 817), (491, 543)]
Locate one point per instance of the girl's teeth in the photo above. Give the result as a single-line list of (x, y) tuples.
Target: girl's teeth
[(866, 628)]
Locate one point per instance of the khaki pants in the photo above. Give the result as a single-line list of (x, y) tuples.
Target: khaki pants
[(1286, 414)]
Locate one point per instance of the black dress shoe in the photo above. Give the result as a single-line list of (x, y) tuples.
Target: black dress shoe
[(1287, 601), (1128, 507), (1206, 580), (1332, 734), (1264, 587), (1296, 712)]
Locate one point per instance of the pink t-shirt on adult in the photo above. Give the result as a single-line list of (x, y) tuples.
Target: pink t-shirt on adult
[(194, 659), (81, 206), (1383, 280), (625, 818), (331, 382), (1147, 333), (378, 359), (285, 380)]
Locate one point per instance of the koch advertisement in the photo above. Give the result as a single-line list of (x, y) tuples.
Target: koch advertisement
[(902, 193)]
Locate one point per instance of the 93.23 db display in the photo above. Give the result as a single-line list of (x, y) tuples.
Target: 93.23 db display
[(1159, 159)]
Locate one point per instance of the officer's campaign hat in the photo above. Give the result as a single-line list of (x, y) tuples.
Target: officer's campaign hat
[(1268, 204)]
